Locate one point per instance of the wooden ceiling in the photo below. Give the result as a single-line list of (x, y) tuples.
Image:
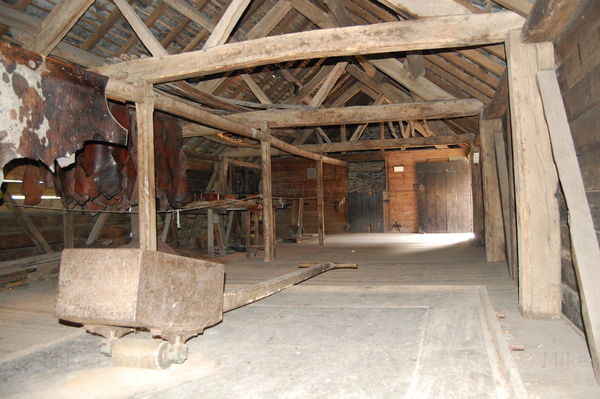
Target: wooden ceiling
[(104, 35)]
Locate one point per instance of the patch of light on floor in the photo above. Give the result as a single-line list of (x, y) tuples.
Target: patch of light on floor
[(444, 239), (405, 240)]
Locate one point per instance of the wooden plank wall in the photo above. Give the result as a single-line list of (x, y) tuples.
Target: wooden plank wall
[(290, 181), (578, 66), (402, 194)]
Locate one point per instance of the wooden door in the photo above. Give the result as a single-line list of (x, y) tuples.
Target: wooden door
[(365, 212), (444, 197)]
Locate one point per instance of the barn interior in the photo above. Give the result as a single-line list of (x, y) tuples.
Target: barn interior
[(427, 169)]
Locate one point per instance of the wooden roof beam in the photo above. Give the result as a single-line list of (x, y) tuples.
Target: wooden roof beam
[(192, 14), (328, 84), (263, 27), (498, 107), (140, 29), (521, 7), (365, 145), (358, 114), (314, 14), (226, 24), (25, 27), (193, 112), (416, 8), (420, 34), (547, 19), (57, 24), (255, 89), (156, 49)]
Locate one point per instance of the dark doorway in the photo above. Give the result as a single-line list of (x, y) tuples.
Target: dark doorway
[(365, 212), (444, 197)]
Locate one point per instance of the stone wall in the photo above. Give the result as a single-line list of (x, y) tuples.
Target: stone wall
[(366, 176)]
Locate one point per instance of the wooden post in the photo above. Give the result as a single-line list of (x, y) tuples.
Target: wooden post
[(174, 234), (504, 183), (478, 226), (68, 236), (294, 217), (223, 186), (218, 232), (145, 163), (267, 200), (536, 182), (210, 228), (320, 208), (230, 216), (300, 217), (134, 222), (512, 199), (343, 134), (581, 225), (494, 230)]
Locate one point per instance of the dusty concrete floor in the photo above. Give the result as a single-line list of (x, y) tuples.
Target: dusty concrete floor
[(555, 363)]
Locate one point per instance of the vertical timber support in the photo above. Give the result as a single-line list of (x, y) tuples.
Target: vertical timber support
[(145, 163), (320, 207), (505, 195), (478, 227), (536, 181), (268, 216), (210, 231), (495, 248), (223, 185), (68, 231)]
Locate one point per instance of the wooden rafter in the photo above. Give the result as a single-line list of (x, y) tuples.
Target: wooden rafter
[(225, 26), (192, 14), (328, 84), (56, 25)]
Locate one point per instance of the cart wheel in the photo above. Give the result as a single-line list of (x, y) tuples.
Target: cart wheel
[(141, 353)]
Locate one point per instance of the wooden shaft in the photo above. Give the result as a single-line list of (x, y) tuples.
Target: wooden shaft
[(246, 295)]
